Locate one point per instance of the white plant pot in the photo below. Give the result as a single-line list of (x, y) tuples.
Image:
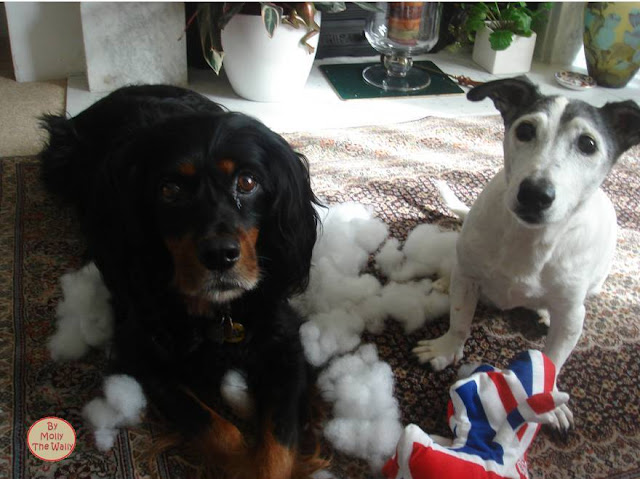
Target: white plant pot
[(515, 59), (266, 69)]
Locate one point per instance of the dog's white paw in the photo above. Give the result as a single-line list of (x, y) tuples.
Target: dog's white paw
[(441, 285), (563, 419), (544, 317), (439, 352)]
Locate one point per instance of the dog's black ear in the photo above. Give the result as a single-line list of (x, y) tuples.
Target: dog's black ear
[(624, 122), (101, 191), (120, 225), (60, 158), (289, 233), (509, 96)]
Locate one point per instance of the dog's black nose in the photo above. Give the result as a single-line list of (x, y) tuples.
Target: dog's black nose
[(219, 253), (536, 195)]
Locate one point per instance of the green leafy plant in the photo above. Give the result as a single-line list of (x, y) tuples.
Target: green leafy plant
[(214, 16), (504, 19)]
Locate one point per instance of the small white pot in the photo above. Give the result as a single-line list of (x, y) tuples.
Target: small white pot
[(266, 69), (515, 59)]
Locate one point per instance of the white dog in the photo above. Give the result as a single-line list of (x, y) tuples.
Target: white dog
[(542, 234)]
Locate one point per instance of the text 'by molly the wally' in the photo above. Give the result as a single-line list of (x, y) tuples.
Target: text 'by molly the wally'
[(51, 439)]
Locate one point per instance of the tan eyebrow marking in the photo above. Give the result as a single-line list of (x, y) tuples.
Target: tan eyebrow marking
[(187, 169), (226, 165)]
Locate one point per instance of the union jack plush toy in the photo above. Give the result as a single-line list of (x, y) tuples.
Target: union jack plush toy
[(494, 416)]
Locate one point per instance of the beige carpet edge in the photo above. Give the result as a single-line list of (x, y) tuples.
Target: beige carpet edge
[(21, 105)]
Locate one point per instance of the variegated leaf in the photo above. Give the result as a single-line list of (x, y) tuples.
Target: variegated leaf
[(211, 49), (271, 16)]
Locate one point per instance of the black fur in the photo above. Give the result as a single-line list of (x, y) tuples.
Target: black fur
[(510, 96), (113, 163)]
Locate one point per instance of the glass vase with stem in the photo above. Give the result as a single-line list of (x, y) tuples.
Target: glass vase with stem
[(399, 31)]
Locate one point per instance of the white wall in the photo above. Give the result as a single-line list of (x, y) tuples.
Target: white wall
[(134, 42), (561, 39), (46, 40)]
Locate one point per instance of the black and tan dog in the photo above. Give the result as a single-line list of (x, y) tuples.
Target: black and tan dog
[(202, 224)]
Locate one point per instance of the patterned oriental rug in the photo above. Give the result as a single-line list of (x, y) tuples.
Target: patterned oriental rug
[(389, 168)]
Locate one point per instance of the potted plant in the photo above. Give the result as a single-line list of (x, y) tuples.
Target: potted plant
[(267, 49), (504, 39)]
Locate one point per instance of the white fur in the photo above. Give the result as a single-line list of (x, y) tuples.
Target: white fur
[(553, 265), (451, 201), (553, 155), (84, 315), (122, 405)]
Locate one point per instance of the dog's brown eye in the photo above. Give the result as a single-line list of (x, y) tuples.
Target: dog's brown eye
[(246, 183), (170, 191), (587, 145), (525, 131)]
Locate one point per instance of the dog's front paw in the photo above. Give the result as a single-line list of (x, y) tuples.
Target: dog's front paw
[(544, 317), (563, 419), (439, 352), (442, 285)]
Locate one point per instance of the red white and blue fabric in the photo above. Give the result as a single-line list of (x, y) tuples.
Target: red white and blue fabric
[(494, 416)]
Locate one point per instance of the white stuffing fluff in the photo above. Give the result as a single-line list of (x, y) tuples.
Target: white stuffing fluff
[(122, 405), (333, 302), (348, 233), (366, 416), (390, 258), (428, 251), (235, 392), (413, 303), (328, 334), (84, 315), (341, 302)]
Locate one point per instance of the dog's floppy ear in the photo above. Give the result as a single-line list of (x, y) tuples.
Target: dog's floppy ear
[(289, 232), (509, 95), (100, 190), (123, 239), (60, 158), (624, 121)]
